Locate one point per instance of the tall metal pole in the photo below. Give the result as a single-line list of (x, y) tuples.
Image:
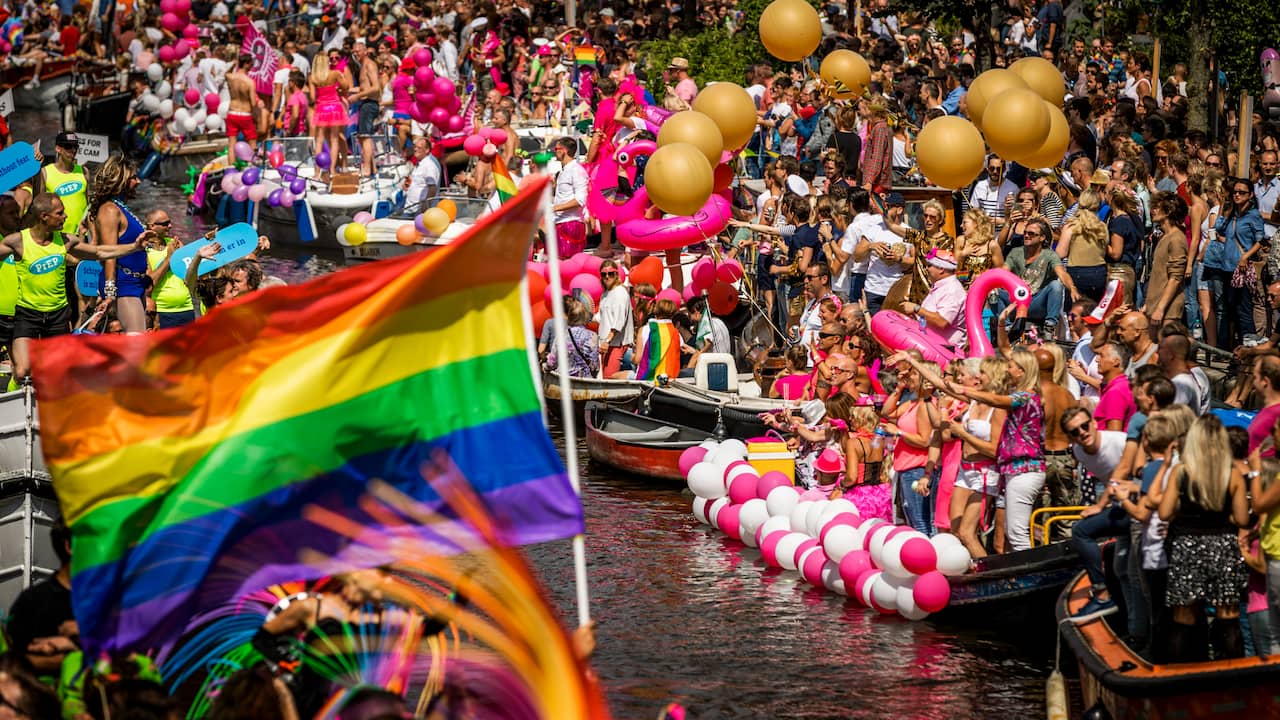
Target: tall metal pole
[(571, 12)]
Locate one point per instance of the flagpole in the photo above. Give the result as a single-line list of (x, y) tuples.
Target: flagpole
[(566, 400)]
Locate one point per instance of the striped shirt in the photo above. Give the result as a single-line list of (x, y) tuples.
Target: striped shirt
[(989, 200)]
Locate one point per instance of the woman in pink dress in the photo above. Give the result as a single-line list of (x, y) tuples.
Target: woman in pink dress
[(327, 86)]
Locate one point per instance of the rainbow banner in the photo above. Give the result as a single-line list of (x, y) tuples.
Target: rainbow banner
[(584, 55), (502, 182), (184, 459), (660, 354)]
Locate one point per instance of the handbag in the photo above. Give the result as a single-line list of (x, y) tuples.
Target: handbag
[(1247, 278)]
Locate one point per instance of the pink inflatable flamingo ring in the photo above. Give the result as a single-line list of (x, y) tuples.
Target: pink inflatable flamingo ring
[(901, 332)]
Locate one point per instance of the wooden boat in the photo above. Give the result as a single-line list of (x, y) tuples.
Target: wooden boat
[(55, 78), (637, 444), (721, 414), (584, 390), (1023, 583), (1124, 684)]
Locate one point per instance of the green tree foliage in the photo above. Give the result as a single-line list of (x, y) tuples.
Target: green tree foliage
[(715, 54), (1234, 31)]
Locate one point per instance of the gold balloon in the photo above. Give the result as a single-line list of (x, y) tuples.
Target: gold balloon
[(732, 110), (435, 220), (1043, 77), (1054, 147), (986, 87), (696, 129), (1016, 123), (790, 29), (846, 73), (950, 152), (679, 179)]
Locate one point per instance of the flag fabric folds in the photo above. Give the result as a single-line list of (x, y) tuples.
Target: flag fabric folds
[(183, 459), (265, 60)]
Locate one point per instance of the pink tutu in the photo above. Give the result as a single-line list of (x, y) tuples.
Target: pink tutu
[(331, 114), (872, 501)]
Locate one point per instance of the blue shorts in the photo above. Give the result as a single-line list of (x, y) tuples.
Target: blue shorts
[(367, 115)]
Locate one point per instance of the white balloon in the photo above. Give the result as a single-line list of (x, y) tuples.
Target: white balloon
[(781, 501), (709, 444), (773, 524), (877, 543), (954, 560), (706, 480), (180, 115), (891, 557), (906, 602), (943, 540), (213, 123), (189, 125), (200, 116), (832, 580), (787, 547), (164, 90), (834, 508), (799, 514), (812, 518), (734, 447), (885, 594), (166, 109), (737, 470), (223, 109), (840, 541), (150, 102), (700, 509), (154, 72), (714, 510), (865, 596), (752, 515)]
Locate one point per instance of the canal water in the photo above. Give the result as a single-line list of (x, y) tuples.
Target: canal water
[(686, 615)]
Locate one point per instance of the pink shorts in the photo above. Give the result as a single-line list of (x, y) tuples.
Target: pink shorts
[(572, 237), (241, 122)]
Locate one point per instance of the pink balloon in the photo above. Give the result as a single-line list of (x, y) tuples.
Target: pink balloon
[(729, 271), (932, 592), (167, 6), (688, 293), (473, 145), (860, 583), (691, 456), (424, 79), (728, 521), (591, 263), (852, 566), (438, 116), (191, 95), (570, 267), (425, 100), (5, 46), (171, 22), (811, 569), (538, 267), (455, 124), (181, 49), (546, 296), (442, 87), (590, 284), (742, 489), (801, 548), (871, 526), (421, 57), (769, 481), (670, 294), (182, 7), (191, 32), (166, 54), (497, 136), (211, 102), (844, 518), (769, 547), (919, 556), (703, 274)]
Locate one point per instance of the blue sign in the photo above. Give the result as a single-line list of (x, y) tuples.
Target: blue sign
[(17, 164), (88, 278), (46, 264), (237, 241)]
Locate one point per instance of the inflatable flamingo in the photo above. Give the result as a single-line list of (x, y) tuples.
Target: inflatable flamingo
[(605, 178), (676, 232), (899, 332)]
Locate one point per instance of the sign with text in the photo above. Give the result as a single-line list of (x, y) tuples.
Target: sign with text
[(17, 165), (6, 102), (88, 278), (236, 240), (93, 149)]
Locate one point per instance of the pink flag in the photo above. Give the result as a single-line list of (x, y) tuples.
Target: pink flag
[(265, 60)]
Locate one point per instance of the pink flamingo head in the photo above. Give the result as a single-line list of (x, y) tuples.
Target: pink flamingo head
[(982, 286)]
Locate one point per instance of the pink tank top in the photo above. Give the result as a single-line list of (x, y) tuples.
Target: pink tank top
[(792, 387), (327, 94), (905, 455)]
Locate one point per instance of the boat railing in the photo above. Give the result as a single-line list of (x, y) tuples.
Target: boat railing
[(1051, 516)]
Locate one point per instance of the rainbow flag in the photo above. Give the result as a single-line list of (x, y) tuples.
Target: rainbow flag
[(584, 55), (502, 182), (183, 460), (660, 354)]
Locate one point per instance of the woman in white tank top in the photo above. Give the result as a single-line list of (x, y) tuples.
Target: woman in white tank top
[(978, 481)]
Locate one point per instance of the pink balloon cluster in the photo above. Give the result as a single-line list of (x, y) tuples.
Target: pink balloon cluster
[(892, 569), (435, 99), (580, 272), (485, 143), (176, 18)]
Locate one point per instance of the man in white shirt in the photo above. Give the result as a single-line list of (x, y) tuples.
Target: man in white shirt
[(569, 199), (445, 61), (888, 258), (425, 179), (849, 274), (334, 34), (718, 340), (817, 287), (1187, 389), (617, 329), (992, 193), (1267, 191), (1099, 452)]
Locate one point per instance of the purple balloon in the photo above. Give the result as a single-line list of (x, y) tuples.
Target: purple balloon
[(250, 176), (439, 117), (323, 160), (288, 172), (240, 194), (442, 87), (417, 224), (298, 186), (274, 198)]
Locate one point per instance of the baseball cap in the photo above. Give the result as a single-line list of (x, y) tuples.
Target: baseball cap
[(607, 12), (67, 139), (894, 198)]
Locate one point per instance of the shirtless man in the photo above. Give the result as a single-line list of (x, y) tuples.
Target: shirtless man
[(364, 97), (1060, 483), (244, 102)]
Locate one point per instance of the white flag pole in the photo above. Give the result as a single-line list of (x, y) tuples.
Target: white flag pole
[(566, 399)]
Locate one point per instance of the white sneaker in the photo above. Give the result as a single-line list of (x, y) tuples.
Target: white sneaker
[(35, 83)]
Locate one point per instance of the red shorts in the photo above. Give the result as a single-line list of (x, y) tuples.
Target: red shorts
[(241, 122)]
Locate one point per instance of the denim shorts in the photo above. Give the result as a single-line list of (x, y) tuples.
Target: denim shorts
[(368, 115), (1197, 277)]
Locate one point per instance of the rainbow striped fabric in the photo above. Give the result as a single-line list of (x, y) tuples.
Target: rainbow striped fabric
[(503, 184), (183, 459), (584, 55), (661, 352)]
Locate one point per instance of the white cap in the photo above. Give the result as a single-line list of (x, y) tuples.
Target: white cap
[(797, 185)]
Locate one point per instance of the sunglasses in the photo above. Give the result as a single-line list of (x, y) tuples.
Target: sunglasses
[(932, 216), (1032, 233), (829, 335), (1238, 191), (1213, 164), (995, 168), (609, 273), (1080, 430), (163, 223)]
